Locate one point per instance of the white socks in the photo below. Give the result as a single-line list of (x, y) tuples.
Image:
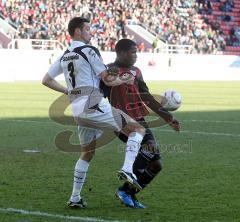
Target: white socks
[(132, 148), (81, 168), (80, 172)]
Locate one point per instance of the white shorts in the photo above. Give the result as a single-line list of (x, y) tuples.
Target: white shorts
[(87, 135), (92, 123)]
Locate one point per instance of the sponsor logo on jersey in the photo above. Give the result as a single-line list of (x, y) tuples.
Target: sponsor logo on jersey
[(134, 73), (72, 57), (92, 53)]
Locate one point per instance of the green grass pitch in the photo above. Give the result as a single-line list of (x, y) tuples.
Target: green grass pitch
[(200, 180)]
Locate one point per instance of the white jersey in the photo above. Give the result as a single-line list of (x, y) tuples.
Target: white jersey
[(81, 65)]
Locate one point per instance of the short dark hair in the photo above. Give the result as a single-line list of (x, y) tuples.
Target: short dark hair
[(76, 22), (124, 45)]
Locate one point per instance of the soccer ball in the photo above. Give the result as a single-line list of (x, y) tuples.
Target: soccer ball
[(172, 100)]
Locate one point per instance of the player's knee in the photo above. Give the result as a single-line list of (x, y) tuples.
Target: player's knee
[(141, 130), (87, 156), (134, 127), (155, 166), (140, 163)]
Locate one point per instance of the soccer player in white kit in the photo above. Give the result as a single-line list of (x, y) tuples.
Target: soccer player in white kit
[(83, 69)]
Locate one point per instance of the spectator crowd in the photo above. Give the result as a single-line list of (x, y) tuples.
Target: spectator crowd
[(173, 21)]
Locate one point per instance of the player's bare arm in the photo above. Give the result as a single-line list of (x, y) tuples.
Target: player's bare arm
[(53, 84), (155, 106), (112, 79)]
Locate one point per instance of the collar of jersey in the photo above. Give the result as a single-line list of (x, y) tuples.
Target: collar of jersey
[(75, 44)]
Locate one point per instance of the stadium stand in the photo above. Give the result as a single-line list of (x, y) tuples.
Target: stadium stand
[(210, 26), (226, 15)]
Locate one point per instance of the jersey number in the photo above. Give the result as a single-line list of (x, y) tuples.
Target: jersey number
[(71, 74)]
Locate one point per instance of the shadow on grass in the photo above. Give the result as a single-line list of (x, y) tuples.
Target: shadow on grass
[(34, 132), (191, 188)]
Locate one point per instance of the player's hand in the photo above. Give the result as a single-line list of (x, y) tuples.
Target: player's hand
[(127, 77), (175, 125), (66, 92), (113, 71), (130, 81)]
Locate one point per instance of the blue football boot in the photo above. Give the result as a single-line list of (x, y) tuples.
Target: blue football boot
[(124, 198), (137, 204)]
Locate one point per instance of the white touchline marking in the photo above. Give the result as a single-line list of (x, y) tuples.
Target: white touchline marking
[(32, 121), (202, 133), (25, 121), (182, 131), (42, 214), (212, 121), (191, 120)]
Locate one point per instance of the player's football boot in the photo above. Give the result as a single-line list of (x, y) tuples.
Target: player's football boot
[(76, 205), (129, 177), (137, 204), (124, 198)]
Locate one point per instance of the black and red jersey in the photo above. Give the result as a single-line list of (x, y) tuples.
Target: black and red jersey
[(132, 99), (127, 97)]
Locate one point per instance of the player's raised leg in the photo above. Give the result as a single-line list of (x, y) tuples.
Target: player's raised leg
[(146, 166), (135, 136)]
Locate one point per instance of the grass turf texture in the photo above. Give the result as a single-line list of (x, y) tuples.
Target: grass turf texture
[(198, 183)]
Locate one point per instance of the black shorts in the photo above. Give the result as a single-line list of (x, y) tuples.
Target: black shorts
[(149, 147)]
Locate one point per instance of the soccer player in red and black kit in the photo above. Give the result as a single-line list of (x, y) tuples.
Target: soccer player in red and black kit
[(132, 99)]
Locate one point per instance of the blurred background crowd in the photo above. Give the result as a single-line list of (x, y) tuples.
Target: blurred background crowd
[(186, 22)]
